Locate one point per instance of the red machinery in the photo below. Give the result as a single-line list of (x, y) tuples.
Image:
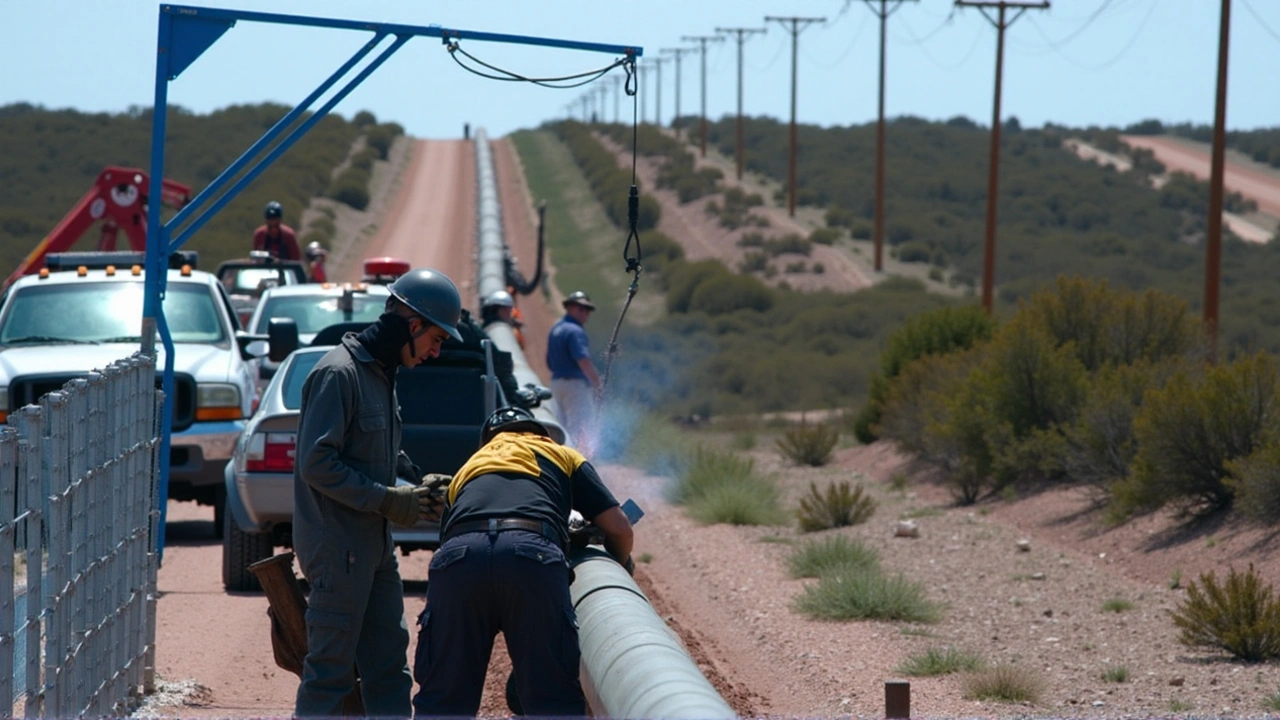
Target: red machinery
[(119, 199)]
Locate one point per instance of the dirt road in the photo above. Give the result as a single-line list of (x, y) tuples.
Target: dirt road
[(220, 640), (1254, 184)]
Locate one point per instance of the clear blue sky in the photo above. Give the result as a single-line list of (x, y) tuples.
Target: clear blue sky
[(1106, 62)]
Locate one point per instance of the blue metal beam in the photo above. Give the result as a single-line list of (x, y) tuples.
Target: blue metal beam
[(184, 34), (258, 167)]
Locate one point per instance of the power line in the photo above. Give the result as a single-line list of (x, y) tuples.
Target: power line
[(677, 53), (848, 48), (977, 37), (782, 44), (1123, 51), (1248, 7)]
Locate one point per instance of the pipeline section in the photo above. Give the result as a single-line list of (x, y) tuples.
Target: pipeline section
[(633, 665)]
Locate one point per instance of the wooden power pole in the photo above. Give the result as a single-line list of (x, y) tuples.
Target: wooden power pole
[(797, 24), (1213, 241), (657, 63), (702, 41), (883, 12), (1001, 23), (743, 34)]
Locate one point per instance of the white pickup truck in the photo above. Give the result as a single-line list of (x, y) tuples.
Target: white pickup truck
[(59, 325)]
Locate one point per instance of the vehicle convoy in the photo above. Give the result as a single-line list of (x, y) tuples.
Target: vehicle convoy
[(84, 310), (247, 278), (443, 405)]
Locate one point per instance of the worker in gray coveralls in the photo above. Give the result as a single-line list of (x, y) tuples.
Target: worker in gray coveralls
[(344, 487)]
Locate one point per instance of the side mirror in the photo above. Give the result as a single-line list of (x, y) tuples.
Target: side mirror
[(282, 337)]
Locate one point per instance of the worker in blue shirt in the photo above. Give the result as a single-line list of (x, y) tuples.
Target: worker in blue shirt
[(575, 384)]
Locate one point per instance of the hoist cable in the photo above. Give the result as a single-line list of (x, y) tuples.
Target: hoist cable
[(634, 265), (508, 76)]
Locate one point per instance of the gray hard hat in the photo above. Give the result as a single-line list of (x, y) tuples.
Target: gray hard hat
[(432, 295), (273, 210), (501, 298), (579, 298)]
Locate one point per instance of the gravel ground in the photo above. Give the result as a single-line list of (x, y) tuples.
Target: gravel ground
[(726, 590)]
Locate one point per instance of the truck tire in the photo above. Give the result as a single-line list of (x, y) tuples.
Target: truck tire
[(219, 510), (240, 550)]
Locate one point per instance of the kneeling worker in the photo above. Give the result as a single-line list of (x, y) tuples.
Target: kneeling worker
[(501, 566)]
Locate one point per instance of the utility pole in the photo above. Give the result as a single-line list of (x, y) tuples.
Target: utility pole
[(993, 177), (702, 41), (797, 24), (878, 236), (603, 89), (617, 96), (658, 62), (678, 53), (743, 34), (1213, 242)]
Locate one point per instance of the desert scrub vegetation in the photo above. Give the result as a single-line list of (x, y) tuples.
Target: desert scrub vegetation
[(815, 558), (607, 180), (941, 661), (1005, 682), (840, 506), (1240, 616), (853, 593), (722, 487), (1115, 674), (1116, 605), (811, 445), (1082, 379)]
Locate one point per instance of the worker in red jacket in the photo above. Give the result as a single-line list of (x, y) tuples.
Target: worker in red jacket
[(275, 237)]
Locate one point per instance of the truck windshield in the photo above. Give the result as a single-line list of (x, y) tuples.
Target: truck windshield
[(314, 313), (96, 312)]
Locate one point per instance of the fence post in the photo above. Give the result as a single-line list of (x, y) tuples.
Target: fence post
[(8, 500), (897, 699)]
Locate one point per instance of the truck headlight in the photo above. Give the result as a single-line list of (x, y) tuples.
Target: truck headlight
[(218, 401)]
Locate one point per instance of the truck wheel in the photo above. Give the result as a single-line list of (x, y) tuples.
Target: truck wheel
[(240, 550)]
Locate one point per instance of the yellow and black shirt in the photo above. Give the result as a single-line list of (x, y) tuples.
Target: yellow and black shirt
[(526, 475)]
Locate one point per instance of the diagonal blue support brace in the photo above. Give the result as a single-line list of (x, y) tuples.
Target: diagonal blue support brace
[(258, 167), (190, 36), (269, 137)]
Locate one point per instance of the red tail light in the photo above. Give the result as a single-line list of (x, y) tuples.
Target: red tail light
[(270, 452)]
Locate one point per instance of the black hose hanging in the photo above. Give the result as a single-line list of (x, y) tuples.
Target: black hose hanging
[(514, 278), (633, 260)]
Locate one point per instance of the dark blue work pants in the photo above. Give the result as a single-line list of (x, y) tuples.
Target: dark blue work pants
[(480, 583)]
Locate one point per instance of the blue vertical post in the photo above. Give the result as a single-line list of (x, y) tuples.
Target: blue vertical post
[(157, 267)]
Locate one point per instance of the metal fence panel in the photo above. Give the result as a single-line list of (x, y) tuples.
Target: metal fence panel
[(78, 497)]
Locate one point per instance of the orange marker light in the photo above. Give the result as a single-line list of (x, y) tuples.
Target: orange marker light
[(44, 273), (111, 270), (82, 271)]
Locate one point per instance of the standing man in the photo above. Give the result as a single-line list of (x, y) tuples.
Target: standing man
[(575, 384), (501, 566), (345, 493), (274, 236)]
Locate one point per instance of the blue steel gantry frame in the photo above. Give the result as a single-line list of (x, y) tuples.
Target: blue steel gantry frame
[(185, 32)]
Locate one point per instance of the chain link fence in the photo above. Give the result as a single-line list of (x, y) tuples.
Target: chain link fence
[(78, 570)]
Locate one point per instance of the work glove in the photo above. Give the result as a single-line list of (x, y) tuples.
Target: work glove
[(431, 506), (401, 504)]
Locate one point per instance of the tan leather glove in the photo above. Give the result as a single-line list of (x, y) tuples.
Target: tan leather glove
[(401, 504)]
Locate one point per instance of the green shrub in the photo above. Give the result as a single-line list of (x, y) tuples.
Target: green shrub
[(1256, 482), (790, 243), (753, 261), (819, 268), (323, 225), (1241, 617), (1270, 702), (1005, 682), (1190, 431), (659, 251), (1116, 605), (936, 274), (729, 293), (751, 239), (794, 268), (861, 230), (810, 445), (824, 236), (743, 441), (351, 187), (914, 252), (364, 159), (945, 330), (867, 594), (1100, 445), (720, 487), (940, 661), (380, 137), (839, 506), (1115, 674), (816, 558), (686, 279), (839, 217)]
